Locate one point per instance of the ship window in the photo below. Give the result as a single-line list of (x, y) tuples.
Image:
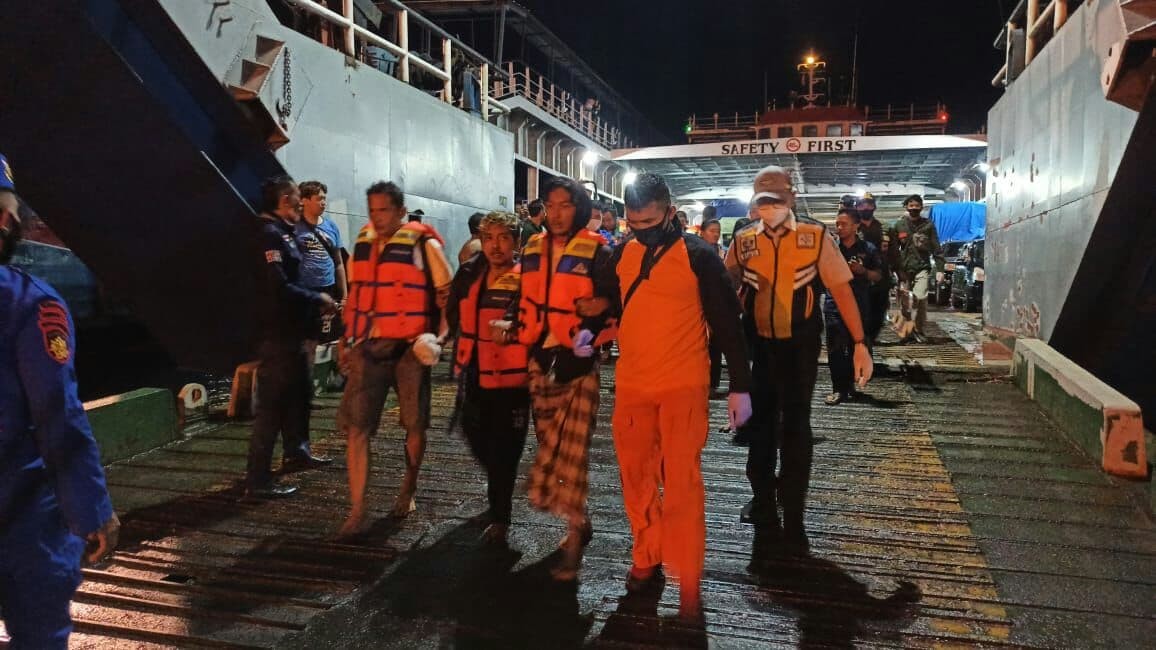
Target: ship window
[(810, 131), (786, 131), (856, 129), (834, 130)]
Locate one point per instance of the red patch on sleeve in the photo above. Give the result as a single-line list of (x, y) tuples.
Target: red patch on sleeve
[(54, 330)]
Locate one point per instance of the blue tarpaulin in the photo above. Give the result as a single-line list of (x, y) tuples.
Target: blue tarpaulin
[(959, 221)]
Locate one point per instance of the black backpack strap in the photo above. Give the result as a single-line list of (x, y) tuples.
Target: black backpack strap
[(649, 261)]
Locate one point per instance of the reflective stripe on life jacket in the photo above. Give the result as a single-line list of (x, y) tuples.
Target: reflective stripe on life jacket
[(390, 296), (499, 366), (784, 306), (549, 290)]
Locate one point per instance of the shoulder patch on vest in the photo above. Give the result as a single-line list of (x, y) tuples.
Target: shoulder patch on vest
[(405, 236), (804, 239), (508, 282), (748, 245), (580, 247), (52, 320)]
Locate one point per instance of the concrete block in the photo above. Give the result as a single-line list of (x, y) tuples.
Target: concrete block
[(1099, 418), (133, 422)]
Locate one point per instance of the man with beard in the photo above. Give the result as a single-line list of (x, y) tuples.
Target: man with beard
[(495, 398)]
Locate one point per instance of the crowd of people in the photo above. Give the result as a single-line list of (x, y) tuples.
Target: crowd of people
[(531, 310), (532, 307)]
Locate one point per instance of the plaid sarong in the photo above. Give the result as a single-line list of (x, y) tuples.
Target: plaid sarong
[(564, 417)]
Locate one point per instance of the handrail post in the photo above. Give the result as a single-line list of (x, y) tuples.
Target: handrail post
[(1060, 16), (485, 81), (1033, 15), (350, 42), (1011, 26), (403, 42), (448, 62)]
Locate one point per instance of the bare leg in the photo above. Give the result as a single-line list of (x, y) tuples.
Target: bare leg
[(358, 459), (414, 452)]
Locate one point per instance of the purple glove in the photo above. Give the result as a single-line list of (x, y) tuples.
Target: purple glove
[(739, 408), (582, 347)]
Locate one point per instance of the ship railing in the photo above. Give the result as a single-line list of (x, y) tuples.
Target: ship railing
[(404, 59), (889, 114), (1029, 28), (727, 122), (582, 116), (905, 113)]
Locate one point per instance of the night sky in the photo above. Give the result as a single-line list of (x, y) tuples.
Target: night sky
[(671, 58)]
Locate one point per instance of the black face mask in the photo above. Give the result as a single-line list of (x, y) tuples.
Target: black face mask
[(866, 215), (656, 234), (914, 213)]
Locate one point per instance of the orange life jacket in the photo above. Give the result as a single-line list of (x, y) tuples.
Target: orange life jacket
[(499, 366), (548, 294), (390, 297)]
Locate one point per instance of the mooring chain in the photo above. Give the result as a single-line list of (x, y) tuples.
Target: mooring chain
[(286, 105)]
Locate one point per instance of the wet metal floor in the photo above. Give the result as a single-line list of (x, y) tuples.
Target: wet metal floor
[(945, 511)]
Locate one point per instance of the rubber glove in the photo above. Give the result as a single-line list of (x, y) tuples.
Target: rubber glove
[(500, 331), (739, 407), (864, 365), (582, 347)]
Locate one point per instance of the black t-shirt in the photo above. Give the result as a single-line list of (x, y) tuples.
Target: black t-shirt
[(866, 254)]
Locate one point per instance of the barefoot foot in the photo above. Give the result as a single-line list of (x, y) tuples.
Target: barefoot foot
[(404, 505)]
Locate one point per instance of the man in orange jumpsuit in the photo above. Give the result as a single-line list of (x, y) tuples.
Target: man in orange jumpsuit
[(662, 386)]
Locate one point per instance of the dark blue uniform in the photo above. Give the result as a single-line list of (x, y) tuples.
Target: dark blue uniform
[(52, 489), (284, 387)]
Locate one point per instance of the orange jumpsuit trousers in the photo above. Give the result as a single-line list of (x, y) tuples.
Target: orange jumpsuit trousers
[(659, 439)]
